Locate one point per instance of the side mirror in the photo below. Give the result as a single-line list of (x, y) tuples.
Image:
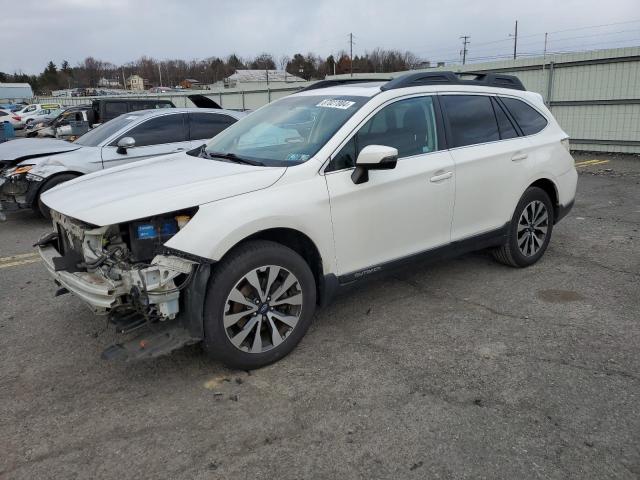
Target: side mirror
[(374, 157), (124, 143)]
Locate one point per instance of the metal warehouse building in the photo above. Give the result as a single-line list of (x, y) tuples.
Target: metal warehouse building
[(594, 95), (15, 92)]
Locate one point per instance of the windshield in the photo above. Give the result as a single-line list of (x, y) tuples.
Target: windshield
[(287, 132), (95, 137)]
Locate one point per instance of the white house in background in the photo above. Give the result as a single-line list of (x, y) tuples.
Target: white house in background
[(135, 82), (108, 83), (259, 79), (15, 92)]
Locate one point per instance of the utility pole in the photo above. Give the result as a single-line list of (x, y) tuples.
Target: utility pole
[(160, 72), (515, 42), (544, 53), (351, 53), (465, 42), (124, 82)]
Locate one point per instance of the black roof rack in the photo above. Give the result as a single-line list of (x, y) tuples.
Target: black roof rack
[(453, 78), (342, 81)]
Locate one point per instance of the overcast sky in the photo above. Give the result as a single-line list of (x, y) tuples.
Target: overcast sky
[(32, 32)]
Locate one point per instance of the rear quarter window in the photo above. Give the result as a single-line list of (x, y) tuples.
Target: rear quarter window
[(527, 117)]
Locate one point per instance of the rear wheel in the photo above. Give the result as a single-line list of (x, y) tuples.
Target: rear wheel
[(529, 231), (260, 303), (48, 185)]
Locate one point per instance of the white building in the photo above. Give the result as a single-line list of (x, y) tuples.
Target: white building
[(135, 82), (259, 79), (108, 83), (15, 92)]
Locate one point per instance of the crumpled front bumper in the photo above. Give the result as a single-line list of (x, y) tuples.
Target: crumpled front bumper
[(99, 292), (151, 287)]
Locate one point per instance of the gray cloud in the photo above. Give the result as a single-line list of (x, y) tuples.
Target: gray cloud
[(34, 32)]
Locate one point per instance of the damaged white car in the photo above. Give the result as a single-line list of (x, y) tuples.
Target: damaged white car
[(235, 244), (31, 166)]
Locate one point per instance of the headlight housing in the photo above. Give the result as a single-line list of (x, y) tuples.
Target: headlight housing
[(146, 237), (16, 183), (21, 170)]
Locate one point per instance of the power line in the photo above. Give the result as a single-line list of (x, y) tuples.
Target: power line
[(596, 26), (435, 52)]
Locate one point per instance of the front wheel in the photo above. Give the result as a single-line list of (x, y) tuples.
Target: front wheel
[(529, 230), (260, 303)]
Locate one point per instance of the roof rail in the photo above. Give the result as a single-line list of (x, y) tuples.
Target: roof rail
[(341, 81), (453, 78)]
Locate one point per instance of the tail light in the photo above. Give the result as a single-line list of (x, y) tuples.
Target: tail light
[(16, 117)]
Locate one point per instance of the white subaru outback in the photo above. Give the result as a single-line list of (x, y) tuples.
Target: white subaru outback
[(236, 243)]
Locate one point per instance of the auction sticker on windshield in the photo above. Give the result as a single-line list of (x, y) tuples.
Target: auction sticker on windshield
[(341, 104)]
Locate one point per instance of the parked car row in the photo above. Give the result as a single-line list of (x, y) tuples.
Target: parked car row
[(29, 167), (236, 242), (12, 107)]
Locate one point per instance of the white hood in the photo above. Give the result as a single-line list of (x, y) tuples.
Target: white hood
[(155, 186), (23, 148)]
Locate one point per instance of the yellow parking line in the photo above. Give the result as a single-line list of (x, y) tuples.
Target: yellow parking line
[(19, 262), (17, 257), (590, 163)]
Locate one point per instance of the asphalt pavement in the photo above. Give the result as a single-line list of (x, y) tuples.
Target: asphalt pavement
[(461, 369)]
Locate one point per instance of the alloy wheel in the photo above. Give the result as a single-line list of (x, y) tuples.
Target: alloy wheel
[(533, 226), (262, 309)]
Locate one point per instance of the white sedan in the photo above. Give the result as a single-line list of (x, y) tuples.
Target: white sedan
[(32, 110), (31, 166), (13, 118), (42, 116)]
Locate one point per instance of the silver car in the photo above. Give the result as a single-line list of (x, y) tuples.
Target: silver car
[(31, 166)]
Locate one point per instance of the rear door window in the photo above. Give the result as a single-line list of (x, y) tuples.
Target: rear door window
[(471, 119), (159, 130), (203, 126), (528, 118)]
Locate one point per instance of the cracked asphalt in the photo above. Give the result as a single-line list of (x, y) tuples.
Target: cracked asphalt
[(460, 369)]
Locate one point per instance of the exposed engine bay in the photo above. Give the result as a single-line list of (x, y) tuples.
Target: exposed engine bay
[(122, 267)]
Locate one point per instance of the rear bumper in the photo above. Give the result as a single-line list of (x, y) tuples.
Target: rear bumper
[(563, 211), (566, 185)]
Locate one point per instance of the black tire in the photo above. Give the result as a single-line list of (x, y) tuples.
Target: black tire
[(228, 275), (511, 253), (48, 185)]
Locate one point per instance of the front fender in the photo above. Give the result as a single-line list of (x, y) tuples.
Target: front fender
[(219, 226)]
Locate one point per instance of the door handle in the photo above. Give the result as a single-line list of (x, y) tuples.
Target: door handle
[(441, 176), (519, 156), (179, 149)]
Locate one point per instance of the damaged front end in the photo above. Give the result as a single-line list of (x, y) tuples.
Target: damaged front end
[(125, 272), (18, 188)]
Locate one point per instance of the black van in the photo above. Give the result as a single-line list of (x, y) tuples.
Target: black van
[(105, 109)]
